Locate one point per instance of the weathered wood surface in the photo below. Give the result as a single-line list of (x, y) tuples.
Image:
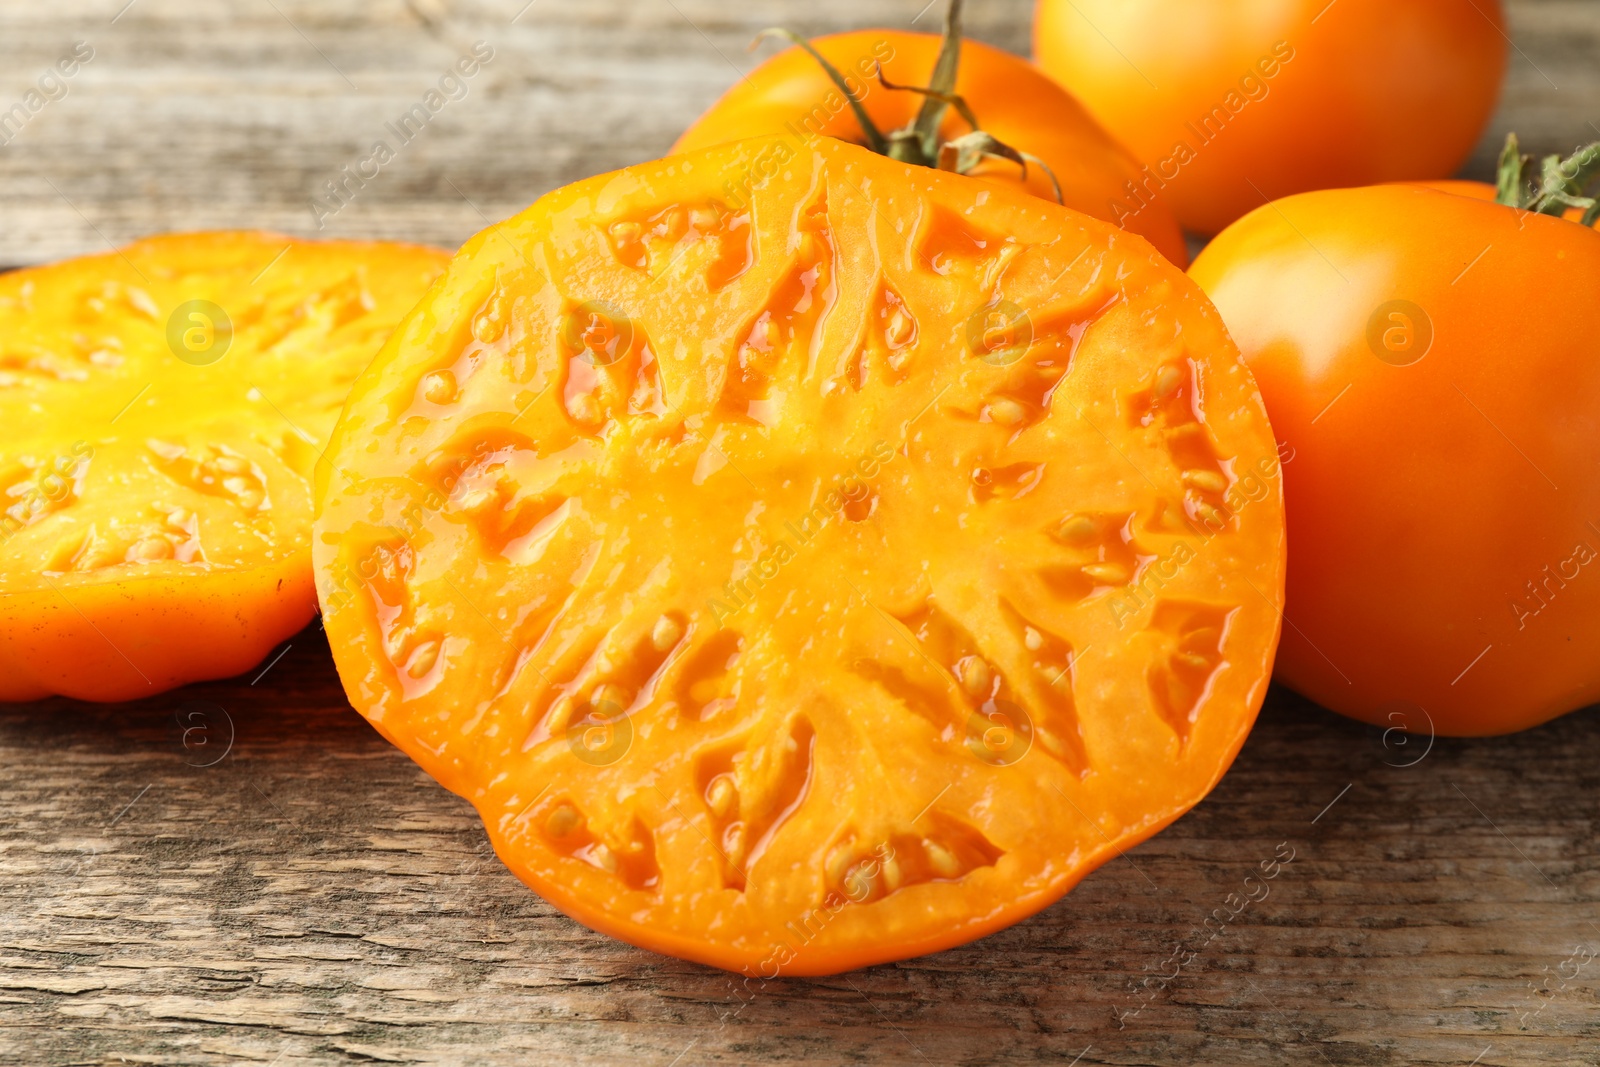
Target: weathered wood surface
[(246, 873), (311, 896)]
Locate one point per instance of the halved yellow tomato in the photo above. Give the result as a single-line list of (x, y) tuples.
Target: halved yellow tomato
[(164, 405), (815, 580)]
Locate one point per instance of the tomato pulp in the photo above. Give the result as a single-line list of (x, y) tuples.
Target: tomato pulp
[(819, 573)]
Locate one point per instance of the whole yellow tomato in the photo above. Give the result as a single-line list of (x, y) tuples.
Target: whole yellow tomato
[(1232, 104), (1072, 158), (1429, 358)]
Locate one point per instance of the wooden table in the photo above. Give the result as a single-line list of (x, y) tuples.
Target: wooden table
[(244, 872)]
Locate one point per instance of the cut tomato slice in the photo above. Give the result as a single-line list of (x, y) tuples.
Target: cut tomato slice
[(163, 408), (803, 560)]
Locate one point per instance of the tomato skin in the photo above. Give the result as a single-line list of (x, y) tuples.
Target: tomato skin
[(173, 630), (1485, 191), (1322, 95), (1442, 514), (789, 93), (1461, 187)]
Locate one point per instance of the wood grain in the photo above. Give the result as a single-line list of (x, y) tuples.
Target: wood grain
[(245, 873), (311, 897)]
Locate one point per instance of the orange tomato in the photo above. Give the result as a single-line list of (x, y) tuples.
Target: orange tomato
[(791, 95), (813, 582), (1230, 105), (1429, 359), (163, 407)]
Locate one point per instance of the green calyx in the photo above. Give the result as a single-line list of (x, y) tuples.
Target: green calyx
[(918, 143), (1559, 185)]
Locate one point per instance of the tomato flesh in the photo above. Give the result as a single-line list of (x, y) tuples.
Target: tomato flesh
[(810, 581), (164, 405)]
